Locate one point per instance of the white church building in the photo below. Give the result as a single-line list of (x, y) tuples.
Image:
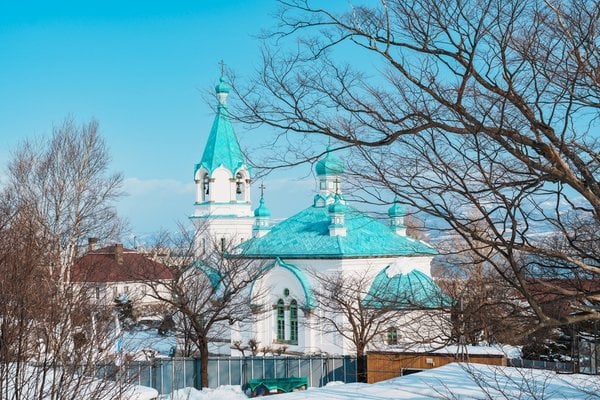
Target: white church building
[(327, 237)]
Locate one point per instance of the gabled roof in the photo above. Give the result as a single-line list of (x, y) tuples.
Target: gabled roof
[(302, 278), (414, 290), (105, 266), (306, 235)]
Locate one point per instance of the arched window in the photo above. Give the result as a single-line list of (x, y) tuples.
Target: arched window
[(392, 336), (280, 320), (205, 186), (294, 322)]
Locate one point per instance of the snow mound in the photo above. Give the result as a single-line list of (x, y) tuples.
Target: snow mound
[(220, 393)]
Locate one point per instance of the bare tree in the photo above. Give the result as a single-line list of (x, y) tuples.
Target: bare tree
[(352, 307), (57, 191), (64, 183), (210, 292), (486, 308), (456, 106)]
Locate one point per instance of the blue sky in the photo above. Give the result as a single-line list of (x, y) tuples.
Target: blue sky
[(142, 69)]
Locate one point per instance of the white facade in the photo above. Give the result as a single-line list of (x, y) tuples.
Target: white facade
[(286, 311)]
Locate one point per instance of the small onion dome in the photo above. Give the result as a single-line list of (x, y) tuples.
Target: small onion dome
[(397, 209), (337, 207), (330, 165), (222, 86), (262, 210)]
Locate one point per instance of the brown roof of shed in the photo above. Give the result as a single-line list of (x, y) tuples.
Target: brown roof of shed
[(117, 264)]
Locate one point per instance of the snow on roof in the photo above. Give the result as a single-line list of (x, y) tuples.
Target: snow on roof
[(464, 381), (506, 351)]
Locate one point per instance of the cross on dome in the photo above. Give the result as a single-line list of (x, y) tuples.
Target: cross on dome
[(262, 188)]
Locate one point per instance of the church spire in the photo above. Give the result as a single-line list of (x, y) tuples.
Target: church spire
[(222, 152), (262, 214), (223, 209)]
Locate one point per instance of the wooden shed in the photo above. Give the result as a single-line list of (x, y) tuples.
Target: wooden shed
[(382, 365)]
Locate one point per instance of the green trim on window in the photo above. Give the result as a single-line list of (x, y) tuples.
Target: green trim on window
[(392, 336), (280, 320), (294, 322)]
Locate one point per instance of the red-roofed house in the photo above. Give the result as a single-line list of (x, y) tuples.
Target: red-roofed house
[(113, 271)]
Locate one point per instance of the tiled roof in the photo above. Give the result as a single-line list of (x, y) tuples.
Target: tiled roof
[(414, 290), (102, 265), (306, 235)]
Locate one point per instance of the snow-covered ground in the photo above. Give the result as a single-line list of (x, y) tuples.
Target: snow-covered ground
[(465, 381), (452, 381), (220, 393), (58, 383), (147, 342)]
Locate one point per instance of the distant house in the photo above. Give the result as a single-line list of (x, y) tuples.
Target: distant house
[(115, 272)]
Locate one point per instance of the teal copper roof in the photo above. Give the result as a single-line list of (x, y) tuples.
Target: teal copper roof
[(306, 235), (396, 210), (329, 165), (222, 86), (212, 274), (262, 210), (414, 290), (337, 207), (222, 147)]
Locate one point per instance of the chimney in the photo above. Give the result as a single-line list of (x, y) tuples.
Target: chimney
[(119, 253), (92, 242)]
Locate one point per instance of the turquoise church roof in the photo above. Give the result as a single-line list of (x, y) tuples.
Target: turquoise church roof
[(414, 290), (262, 210), (222, 147), (212, 274), (337, 207), (329, 165), (306, 235), (396, 210), (222, 86)]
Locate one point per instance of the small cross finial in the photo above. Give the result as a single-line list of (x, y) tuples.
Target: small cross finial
[(337, 185), (222, 64), (262, 188)]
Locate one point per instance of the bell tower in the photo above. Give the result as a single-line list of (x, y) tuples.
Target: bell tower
[(222, 215)]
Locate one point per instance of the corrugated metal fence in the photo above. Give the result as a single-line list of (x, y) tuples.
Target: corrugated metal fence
[(167, 375), (541, 364)]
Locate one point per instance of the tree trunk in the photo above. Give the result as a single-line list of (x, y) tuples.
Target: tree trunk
[(203, 347), (361, 366)]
